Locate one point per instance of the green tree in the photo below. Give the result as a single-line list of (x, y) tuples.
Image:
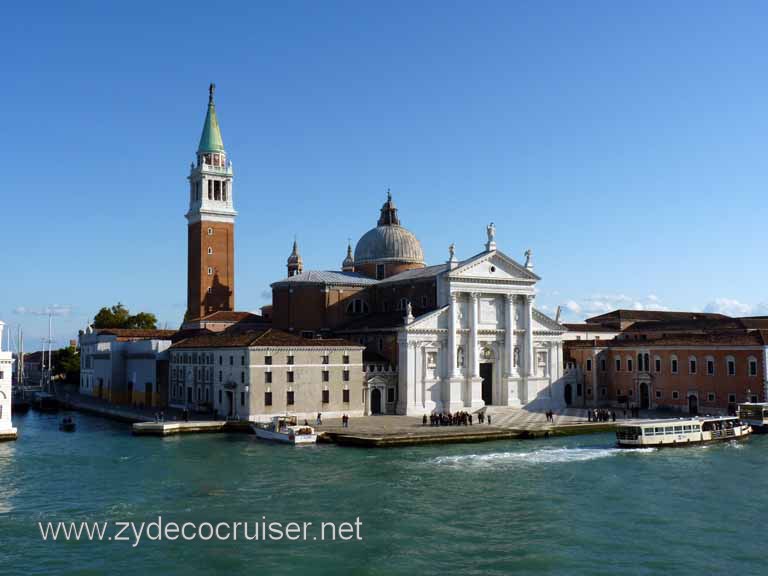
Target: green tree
[(66, 364), (119, 316)]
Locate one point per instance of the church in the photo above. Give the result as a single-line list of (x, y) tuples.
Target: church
[(457, 335)]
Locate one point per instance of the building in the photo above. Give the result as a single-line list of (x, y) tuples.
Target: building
[(458, 336), (125, 366), (255, 375), (210, 225), (682, 361), (7, 431)]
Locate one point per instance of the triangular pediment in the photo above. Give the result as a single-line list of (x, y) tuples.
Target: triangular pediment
[(542, 322), (434, 320), (493, 265)]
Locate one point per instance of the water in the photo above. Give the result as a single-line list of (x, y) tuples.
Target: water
[(567, 506)]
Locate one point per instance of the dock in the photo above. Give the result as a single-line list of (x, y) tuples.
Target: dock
[(8, 434), (191, 427)]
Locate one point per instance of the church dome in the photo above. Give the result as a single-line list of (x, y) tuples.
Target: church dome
[(391, 243), (388, 242)]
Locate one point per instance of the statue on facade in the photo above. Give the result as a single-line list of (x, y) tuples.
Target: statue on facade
[(491, 231), (452, 251), (529, 258), (408, 310)]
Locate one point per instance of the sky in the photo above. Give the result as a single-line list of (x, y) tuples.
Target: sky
[(622, 142)]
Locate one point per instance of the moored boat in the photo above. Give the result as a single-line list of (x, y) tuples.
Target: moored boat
[(755, 414), (681, 431), (67, 424), (285, 429)]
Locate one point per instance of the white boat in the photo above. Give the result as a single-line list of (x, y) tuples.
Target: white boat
[(681, 431), (755, 414), (285, 429)]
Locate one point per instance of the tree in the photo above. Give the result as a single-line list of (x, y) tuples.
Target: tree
[(66, 362), (119, 316)]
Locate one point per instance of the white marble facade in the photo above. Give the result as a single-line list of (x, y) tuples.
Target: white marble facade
[(7, 431), (486, 344)]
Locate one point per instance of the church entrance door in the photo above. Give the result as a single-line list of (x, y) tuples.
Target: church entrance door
[(645, 396), (376, 401), (486, 373)]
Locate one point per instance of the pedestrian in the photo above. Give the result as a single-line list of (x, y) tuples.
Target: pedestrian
[(589, 416), (613, 415), (489, 419), (319, 419), (424, 420), (470, 419)]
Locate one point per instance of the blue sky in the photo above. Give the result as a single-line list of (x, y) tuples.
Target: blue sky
[(623, 142)]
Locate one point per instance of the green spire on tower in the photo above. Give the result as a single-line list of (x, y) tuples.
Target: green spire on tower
[(210, 140)]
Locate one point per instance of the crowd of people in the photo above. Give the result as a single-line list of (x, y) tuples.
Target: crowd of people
[(455, 419), (601, 415)]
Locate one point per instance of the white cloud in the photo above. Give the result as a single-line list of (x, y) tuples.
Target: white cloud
[(602, 303), (56, 310), (733, 307)]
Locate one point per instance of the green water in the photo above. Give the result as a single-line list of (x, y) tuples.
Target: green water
[(568, 506)]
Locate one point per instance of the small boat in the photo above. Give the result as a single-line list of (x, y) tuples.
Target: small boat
[(285, 429), (681, 431), (67, 424), (755, 414)]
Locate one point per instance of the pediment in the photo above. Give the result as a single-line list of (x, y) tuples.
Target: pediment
[(493, 265), (543, 323)]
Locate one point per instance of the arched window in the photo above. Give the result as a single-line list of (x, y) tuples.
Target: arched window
[(629, 364), (673, 364), (647, 361), (692, 365), (730, 363), (710, 360), (752, 366), (210, 250)]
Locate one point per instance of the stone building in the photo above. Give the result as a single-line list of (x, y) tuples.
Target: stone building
[(7, 431), (684, 361), (125, 366), (459, 335), (255, 375)]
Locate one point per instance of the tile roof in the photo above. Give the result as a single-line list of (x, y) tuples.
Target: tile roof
[(328, 277), (651, 315), (416, 274), (723, 338), (268, 337), (589, 328), (136, 333)]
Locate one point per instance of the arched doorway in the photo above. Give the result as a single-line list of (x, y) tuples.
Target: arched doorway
[(693, 405), (376, 401), (568, 394), (645, 396), (486, 373)]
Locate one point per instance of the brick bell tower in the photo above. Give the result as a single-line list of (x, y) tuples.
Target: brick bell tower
[(211, 224)]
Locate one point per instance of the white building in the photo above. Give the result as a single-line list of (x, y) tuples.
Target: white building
[(125, 366), (7, 431), (485, 344)]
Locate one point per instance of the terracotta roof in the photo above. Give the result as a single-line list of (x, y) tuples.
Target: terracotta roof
[(724, 338), (589, 328), (268, 337), (136, 333), (650, 315)]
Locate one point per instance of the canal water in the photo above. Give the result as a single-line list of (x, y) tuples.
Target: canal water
[(561, 506)]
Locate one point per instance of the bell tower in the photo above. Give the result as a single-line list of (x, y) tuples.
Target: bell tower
[(211, 224)]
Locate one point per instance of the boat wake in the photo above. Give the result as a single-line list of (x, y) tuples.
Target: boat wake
[(543, 456)]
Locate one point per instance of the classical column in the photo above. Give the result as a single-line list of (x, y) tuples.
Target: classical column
[(475, 396), (452, 389), (473, 320), (452, 372), (509, 338), (529, 335)]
